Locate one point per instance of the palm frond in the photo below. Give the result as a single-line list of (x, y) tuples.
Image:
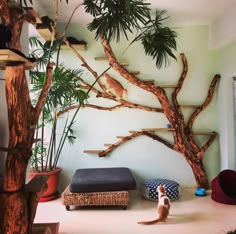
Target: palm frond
[(159, 41), (25, 2), (114, 18)]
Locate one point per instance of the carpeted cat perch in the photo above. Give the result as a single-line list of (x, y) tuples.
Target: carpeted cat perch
[(224, 187)]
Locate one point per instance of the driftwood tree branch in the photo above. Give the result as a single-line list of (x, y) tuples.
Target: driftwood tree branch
[(208, 143), (135, 134), (206, 103), (106, 95), (184, 141), (44, 92), (180, 84)]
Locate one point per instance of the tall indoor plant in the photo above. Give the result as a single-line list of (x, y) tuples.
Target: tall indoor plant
[(64, 92)]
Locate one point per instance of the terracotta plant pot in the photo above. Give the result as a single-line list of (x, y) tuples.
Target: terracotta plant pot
[(50, 193)]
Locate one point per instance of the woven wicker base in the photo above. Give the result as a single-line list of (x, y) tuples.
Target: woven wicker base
[(113, 198)]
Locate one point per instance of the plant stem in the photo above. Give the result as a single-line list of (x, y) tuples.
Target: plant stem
[(64, 136)]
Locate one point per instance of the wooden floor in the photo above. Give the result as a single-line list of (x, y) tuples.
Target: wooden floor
[(189, 215)]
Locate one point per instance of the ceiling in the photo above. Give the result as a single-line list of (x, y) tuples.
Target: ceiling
[(182, 12)]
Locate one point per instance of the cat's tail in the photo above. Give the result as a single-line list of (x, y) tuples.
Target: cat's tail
[(150, 222)]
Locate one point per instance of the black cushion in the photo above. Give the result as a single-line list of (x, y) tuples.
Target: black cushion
[(102, 180)]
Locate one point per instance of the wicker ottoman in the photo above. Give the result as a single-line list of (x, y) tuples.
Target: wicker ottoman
[(99, 187), (112, 198)]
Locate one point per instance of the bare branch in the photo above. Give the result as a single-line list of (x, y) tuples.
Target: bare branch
[(180, 83), (148, 86), (43, 95), (106, 95), (208, 143), (84, 63), (206, 103), (89, 106), (103, 153)]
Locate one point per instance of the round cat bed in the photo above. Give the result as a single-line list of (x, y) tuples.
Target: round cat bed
[(149, 189), (224, 187)]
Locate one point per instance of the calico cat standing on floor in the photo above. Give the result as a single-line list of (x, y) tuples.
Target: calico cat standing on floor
[(163, 207)]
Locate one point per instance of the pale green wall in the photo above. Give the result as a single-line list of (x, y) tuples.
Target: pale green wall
[(145, 157)]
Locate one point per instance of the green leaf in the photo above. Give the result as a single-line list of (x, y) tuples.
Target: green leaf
[(159, 41), (116, 18)]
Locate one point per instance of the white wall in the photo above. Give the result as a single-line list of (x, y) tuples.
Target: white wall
[(145, 157), (223, 30)]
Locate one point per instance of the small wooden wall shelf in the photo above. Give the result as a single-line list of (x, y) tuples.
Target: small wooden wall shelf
[(172, 130), (120, 137), (10, 56), (148, 130), (124, 64), (100, 58), (158, 129), (45, 33), (76, 46), (204, 133), (92, 151), (135, 72), (108, 145)]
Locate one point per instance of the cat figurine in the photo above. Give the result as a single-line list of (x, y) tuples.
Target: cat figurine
[(163, 207), (114, 87)]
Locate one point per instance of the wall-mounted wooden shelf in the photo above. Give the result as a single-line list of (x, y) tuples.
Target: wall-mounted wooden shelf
[(45, 33), (120, 137), (135, 72), (172, 130), (124, 64), (76, 46), (148, 130), (158, 129), (7, 56), (92, 151), (101, 58), (108, 145), (204, 133)]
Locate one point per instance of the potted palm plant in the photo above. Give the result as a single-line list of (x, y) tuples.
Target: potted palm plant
[(64, 92)]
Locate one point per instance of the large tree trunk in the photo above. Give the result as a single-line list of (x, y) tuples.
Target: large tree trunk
[(21, 132), (198, 168), (18, 202), (15, 215)]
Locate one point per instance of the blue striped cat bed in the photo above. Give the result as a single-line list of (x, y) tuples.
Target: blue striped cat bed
[(149, 189)]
